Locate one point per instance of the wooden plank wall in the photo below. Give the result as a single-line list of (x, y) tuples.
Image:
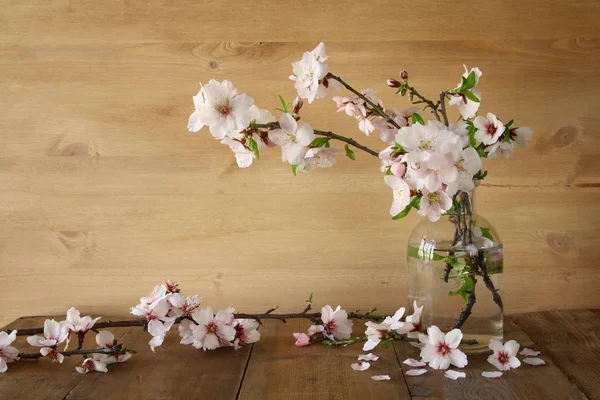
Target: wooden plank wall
[(104, 192)]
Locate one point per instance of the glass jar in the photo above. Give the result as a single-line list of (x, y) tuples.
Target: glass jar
[(455, 270)]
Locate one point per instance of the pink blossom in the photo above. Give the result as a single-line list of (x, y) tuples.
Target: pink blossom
[(246, 331), (212, 331), (78, 325), (302, 339), (467, 107), (54, 334), (400, 192), (433, 204), (106, 340), (308, 74), (521, 135), (294, 139)]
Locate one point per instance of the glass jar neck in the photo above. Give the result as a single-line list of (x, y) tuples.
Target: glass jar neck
[(463, 204)]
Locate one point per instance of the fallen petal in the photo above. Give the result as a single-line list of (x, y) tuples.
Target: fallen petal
[(534, 361), (413, 363), (381, 377), (528, 352), (360, 366), (368, 357), (454, 375), (415, 372), (491, 374)]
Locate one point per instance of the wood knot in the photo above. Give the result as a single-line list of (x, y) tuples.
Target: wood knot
[(69, 146), (559, 242), (76, 245), (213, 64), (561, 138)]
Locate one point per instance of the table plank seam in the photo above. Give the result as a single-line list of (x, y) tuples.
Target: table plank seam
[(402, 371), (239, 392)]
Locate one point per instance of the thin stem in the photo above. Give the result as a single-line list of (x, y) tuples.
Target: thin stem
[(430, 103), (275, 125), (35, 356), (350, 141), (490, 286), (442, 102), (374, 107)]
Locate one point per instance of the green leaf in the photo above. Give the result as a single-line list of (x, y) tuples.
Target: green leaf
[(349, 152), (509, 124), (480, 176), (320, 142), (471, 96), (414, 203), (388, 171), (294, 169), (485, 232), (455, 264), (283, 103), (327, 342), (471, 81), (416, 118), (468, 284), (481, 150), (253, 146)]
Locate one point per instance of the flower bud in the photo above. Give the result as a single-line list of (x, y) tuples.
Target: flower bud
[(403, 92), (298, 103), (393, 83), (404, 75)]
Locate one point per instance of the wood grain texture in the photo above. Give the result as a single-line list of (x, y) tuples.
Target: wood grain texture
[(572, 339), (100, 179), (280, 370), (526, 382)]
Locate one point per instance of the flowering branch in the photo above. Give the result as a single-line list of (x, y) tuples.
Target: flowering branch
[(275, 125), (374, 107), (109, 352), (392, 336)]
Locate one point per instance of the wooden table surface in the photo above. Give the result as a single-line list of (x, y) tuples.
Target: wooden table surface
[(276, 369)]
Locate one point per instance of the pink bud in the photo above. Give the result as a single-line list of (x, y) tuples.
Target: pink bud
[(404, 75), (393, 83), (298, 103)]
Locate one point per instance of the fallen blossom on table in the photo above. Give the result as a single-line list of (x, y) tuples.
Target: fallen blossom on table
[(534, 361), (504, 357), (368, 357), (415, 372), (8, 353), (414, 363), (491, 374), (528, 352), (454, 375), (381, 377), (441, 349), (90, 365), (360, 366)]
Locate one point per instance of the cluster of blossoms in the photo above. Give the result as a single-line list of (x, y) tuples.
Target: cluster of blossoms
[(426, 164), (204, 329), (199, 327)]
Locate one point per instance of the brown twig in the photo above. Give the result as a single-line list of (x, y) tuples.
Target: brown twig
[(374, 107), (108, 351), (430, 103), (275, 125), (490, 286), (442, 103)]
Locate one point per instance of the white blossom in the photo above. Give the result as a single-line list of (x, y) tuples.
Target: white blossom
[(90, 365), (294, 139), (468, 163), (308, 74), (433, 204), (467, 107), (246, 331), (209, 331), (336, 322), (504, 357), (441, 349), (521, 135), (489, 129), (77, 324), (400, 192), (8, 353), (106, 340), (501, 147)]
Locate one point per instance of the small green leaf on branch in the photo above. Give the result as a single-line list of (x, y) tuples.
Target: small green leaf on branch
[(416, 118), (295, 169), (349, 152)]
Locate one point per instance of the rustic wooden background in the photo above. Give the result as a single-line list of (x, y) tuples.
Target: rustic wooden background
[(104, 192)]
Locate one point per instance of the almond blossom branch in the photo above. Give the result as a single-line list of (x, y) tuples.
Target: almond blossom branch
[(430, 103), (392, 336), (374, 107), (442, 103), (109, 352), (275, 125)]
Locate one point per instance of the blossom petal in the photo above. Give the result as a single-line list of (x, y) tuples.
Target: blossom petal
[(453, 338), (528, 352), (454, 375), (458, 358), (3, 366), (105, 338), (360, 366), (491, 374), (413, 363), (512, 347), (381, 377), (415, 372), (368, 357), (534, 361)]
